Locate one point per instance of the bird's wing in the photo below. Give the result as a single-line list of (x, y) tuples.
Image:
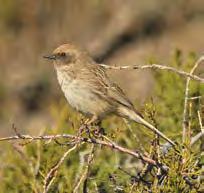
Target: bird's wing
[(117, 94), (111, 91)]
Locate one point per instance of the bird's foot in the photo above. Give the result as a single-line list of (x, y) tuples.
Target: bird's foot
[(99, 131)]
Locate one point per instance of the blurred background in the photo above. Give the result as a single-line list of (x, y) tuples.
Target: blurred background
[(114, 32)]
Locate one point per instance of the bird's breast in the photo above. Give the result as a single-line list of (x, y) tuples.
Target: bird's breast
[(79, 93)]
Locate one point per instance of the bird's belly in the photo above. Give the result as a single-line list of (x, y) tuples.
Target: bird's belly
[(80, 96)]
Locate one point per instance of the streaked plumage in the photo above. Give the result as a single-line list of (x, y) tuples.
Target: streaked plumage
[(89, 90)]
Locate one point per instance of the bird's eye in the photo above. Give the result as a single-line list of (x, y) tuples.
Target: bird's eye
[(63, 57), (63, 54)]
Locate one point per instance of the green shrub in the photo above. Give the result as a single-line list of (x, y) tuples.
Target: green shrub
[(24, 168)]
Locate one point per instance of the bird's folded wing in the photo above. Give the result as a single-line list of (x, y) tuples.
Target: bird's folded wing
[(110, 91), (118, 95)]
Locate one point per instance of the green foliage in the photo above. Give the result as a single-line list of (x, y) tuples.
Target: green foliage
[(24, 168), (170, 94)]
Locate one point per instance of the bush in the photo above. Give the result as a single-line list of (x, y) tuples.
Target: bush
[(25, 167)]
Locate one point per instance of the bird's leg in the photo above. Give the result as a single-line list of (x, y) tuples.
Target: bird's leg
[(99, 130), (88, 123), (92, 120)]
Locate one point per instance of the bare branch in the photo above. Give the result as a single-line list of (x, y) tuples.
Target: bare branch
[(53, 172), (40, 137), (113, 145), (159, 67), (85, 174), (200, 121), (195, 98), (200, 134), (197, 137), (109, 144), (184, 123)]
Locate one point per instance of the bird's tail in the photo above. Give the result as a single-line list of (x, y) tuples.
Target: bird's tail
[(131, 114)]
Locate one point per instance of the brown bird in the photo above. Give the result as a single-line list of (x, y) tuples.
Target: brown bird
[(88, 89)]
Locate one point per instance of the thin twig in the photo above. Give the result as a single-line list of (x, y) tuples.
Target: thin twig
[(53, 172), (197, 137), (159, 67), (85, 174), (40, 137), (185, 121), (200, 121), (134, 134), (19, 136), (195, 97), (200, 134), (111, 145)]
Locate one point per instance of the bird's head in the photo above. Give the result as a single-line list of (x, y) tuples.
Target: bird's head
[(65, 55)]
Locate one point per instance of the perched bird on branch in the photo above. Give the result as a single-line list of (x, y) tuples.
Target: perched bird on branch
[(89, 90)]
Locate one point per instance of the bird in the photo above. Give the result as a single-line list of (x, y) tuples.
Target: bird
[(89, 90)]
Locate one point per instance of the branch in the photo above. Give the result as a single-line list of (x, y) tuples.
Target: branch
[(84, 175), (158, 67), (185, 121), (53, 172), (197, 137), (200, 134), (78, 139), (113, 145), (40, 137)]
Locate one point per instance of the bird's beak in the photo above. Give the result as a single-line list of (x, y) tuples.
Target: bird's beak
[(50, 57)]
